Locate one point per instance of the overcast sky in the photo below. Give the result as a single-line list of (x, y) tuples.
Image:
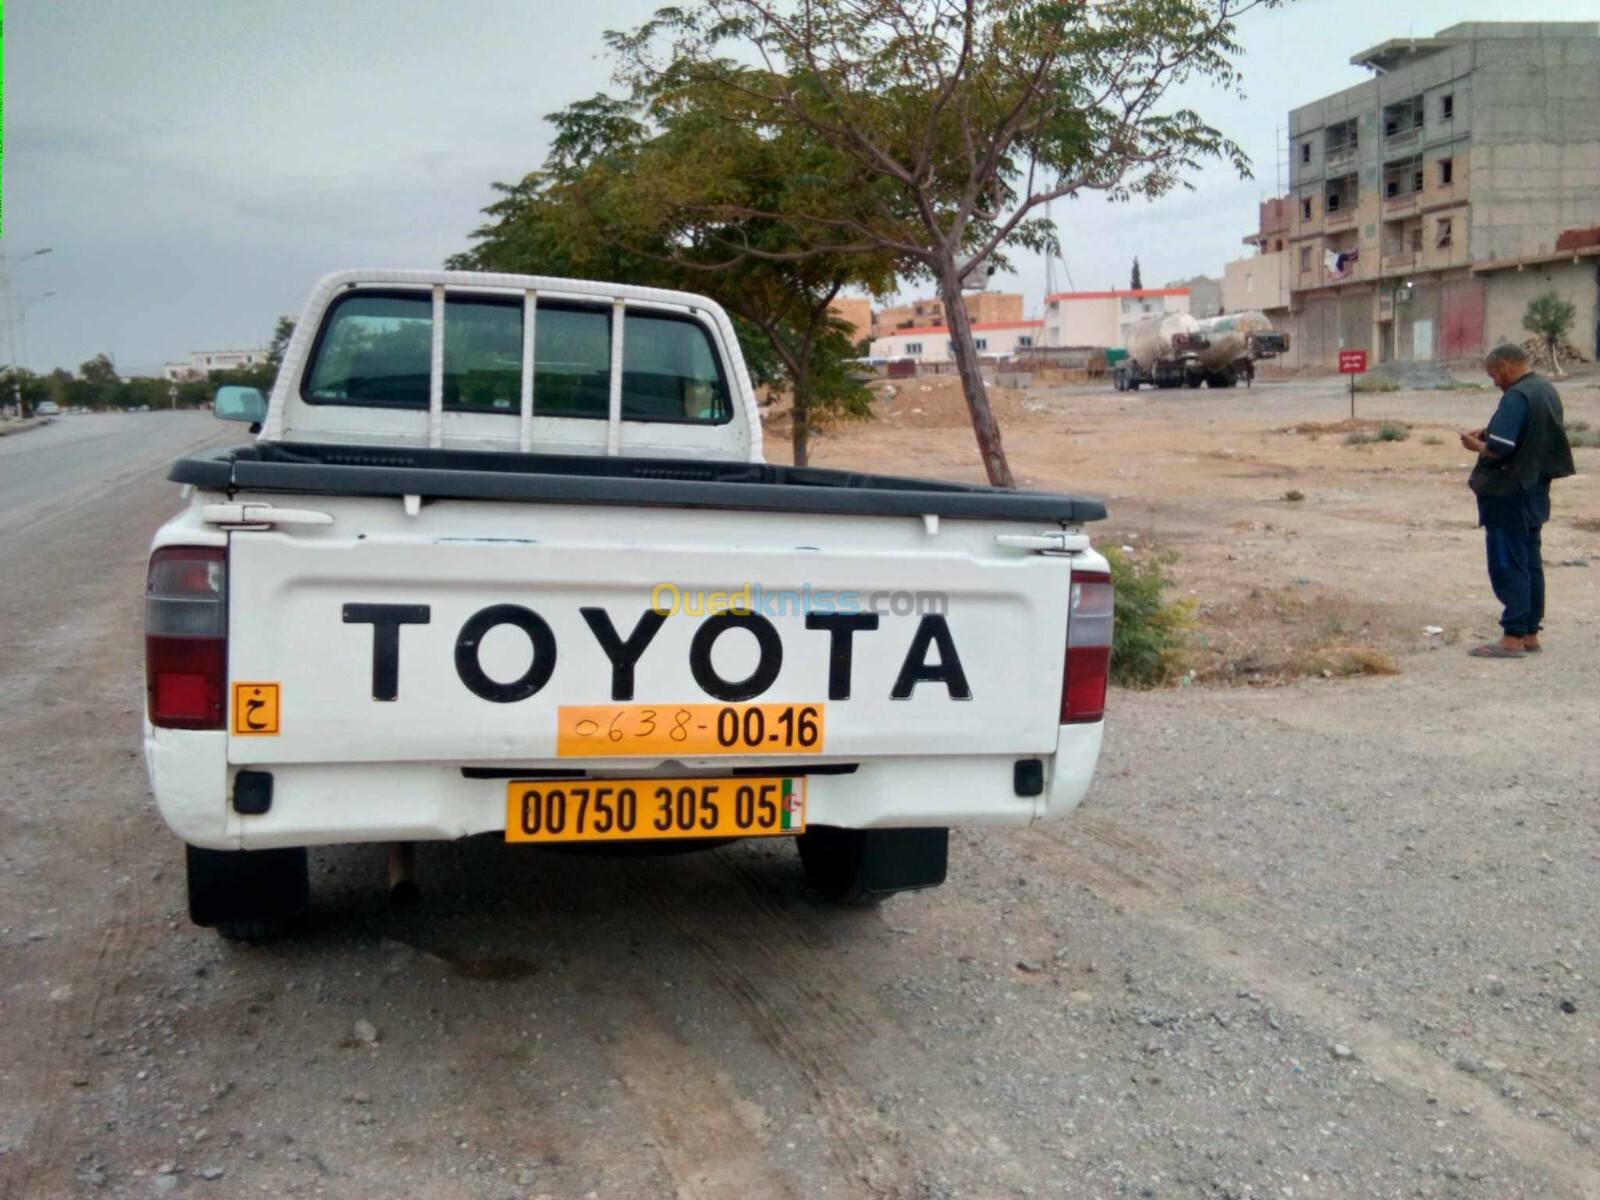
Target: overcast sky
[(195, 165)]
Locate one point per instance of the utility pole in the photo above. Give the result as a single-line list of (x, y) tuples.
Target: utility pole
[(11, 323)]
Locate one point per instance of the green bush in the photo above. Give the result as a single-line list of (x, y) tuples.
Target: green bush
[(1149, 643), (1377, 383), (1393, 432)]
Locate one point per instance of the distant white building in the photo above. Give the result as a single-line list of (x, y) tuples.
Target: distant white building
[(201, 362), (931, 343), (1104, 318)]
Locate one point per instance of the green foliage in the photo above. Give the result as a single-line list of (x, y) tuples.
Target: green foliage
[(1377, 383), (1150, 641), (1294, 495), (1393, 431), (1136, 281), (657, 192), (281, 333), (32, 388), (1550, 317), (936, 130)]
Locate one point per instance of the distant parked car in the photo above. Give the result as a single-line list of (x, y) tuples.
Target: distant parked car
[(48, 408)]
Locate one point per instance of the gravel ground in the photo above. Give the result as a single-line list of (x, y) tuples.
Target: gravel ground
[(1329, 940)]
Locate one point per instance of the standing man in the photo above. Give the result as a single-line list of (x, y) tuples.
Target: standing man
[(1521, 450)]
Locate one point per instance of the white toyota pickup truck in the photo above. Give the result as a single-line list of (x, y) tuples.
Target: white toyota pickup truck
[(506, 559)]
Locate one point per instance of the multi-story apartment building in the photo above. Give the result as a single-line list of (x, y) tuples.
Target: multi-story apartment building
[(1467, 154), (1083, 319), (982, 308)]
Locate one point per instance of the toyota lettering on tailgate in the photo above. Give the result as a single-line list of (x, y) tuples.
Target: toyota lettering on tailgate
[(736, 726)]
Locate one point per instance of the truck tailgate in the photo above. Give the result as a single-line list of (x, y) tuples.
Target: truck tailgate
[(459, 635)]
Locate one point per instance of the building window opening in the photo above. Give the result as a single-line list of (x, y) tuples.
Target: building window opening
[(1447, 107), (1305, 152), (1305, 258), (1447, 171), (1443, 238), (1341, 195), (1305, 209)]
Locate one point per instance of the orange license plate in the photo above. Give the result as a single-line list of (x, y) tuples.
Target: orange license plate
[(609, 810), (619, 730)]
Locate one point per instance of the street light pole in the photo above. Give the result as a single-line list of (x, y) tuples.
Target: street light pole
[(11, 325)]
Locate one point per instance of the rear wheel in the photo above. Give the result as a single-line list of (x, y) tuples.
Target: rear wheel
[(247, 895), (856, 866)]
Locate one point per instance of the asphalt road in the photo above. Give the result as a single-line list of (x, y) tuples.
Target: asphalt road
[(76, 460), (1307, 942)]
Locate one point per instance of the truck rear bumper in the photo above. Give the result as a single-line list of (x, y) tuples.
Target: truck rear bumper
[(325, 804)]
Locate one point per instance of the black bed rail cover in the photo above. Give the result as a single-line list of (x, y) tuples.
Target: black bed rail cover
[(582, 479)]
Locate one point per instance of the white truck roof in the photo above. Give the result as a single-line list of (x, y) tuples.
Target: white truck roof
[(516, 423)]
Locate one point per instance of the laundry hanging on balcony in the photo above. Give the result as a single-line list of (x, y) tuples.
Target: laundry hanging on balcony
[(1340, 264)]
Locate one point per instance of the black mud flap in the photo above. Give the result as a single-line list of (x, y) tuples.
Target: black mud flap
[(231, 887), (853, 866)]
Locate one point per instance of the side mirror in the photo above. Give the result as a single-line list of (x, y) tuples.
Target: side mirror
[(235, 403)]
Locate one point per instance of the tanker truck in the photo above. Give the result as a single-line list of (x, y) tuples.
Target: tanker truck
[(1161, 350), (1176, 350), (1233, 344)]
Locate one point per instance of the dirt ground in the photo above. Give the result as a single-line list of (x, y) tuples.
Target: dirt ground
[(1301, 553), (1324, 940)]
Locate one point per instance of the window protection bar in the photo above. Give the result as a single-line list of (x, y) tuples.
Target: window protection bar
[(530, 308), (619, 309), (436, 372)]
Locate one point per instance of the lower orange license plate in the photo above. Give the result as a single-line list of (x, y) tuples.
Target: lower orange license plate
[(609, 810)]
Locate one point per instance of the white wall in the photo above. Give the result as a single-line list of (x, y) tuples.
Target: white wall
[(933, 345), (1103, 318)]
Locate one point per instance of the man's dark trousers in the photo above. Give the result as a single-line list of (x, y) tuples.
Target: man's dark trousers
[(1516, 572)]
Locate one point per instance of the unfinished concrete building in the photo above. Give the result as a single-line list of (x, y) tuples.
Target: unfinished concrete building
[(1412, 194)]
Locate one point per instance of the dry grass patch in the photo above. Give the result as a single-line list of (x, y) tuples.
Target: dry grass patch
[(1271, 636), (1318, 428)]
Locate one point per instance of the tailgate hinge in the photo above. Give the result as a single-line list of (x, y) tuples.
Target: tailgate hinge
[(1045, 543), (261, 516)]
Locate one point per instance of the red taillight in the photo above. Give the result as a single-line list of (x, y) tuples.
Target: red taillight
[(1088, 665), (186, 637)]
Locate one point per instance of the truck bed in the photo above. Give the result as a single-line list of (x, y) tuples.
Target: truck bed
[(330, 469)]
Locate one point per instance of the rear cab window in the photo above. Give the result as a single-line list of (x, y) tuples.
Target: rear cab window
[(375, 350)]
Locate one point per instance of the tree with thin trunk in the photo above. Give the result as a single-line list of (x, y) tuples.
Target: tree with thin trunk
[(1550, 317), (1135, 282), (629, 194), (955, 122)]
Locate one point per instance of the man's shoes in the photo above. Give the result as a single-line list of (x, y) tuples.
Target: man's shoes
[(1497, 650), (1530, 644)]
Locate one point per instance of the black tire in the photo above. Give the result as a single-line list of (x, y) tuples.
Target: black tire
[(832, 859), (247, 895)]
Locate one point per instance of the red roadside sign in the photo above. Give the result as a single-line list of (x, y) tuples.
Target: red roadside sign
[(1352, 362)]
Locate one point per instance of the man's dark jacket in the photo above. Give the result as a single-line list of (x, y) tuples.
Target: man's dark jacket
[(1542, 452)]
